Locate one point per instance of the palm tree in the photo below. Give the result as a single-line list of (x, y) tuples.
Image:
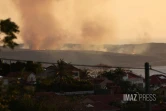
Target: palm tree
[(8, 29), (62, 76), (109, 75), (84, 74)]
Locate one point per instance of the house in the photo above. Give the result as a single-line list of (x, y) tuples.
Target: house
[(134, 79), (76, 74), (105, 86), (158, 80), (48, 72), (96, 82), (31, 78), (68, 69), (29, 85), (104, 83), (101, 82)]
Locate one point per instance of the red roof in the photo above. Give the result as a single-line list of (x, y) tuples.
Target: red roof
[(132, 75), (157, 79)]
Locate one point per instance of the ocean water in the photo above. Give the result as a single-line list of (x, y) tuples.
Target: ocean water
[(142, 71)]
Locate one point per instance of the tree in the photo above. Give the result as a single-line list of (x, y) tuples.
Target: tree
[(109, 74), (84, 74), (126, 86), (119, 73), (114, 75), (117, 76), (9, 30), (62, 76)]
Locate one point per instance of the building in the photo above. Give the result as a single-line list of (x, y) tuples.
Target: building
[(134, 79), (69, 69), (48, 72), (158, 80), (31, 78), (105, 86)]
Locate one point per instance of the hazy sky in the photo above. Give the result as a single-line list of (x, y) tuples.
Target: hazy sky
[(135, 17), (132, 21)]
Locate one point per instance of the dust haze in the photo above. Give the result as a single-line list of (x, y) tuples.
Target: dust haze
[(49, 24)]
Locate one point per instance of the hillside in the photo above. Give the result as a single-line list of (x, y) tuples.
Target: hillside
[(117, 55)]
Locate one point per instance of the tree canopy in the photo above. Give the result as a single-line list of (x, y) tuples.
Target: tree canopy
[(8, 30), (117, 77)]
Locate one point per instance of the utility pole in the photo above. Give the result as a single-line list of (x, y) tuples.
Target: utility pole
[(147, 85)]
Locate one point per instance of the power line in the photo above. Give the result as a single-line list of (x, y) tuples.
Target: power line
[(157, 71), (98, 66)]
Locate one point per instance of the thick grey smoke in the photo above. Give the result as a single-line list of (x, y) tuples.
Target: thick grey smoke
[(49, 24)]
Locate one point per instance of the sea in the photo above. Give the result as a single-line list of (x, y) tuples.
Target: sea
[(158, 68)]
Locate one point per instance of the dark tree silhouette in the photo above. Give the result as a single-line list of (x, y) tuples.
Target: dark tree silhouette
[(84, 74), (118, 74), (62, 76), (8, 29), (33, 67), (5, 69)]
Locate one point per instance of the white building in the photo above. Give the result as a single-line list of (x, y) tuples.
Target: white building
[(134, 79), (31, 78)]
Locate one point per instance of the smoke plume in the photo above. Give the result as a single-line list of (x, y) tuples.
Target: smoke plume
[(49, 24)]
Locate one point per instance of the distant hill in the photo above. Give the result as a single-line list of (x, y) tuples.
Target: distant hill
[(145, 49), (117, 55)]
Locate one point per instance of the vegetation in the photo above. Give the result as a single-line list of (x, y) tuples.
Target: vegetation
[(8, 30), (15, 97), (20, 67), (117, 77), (15, 101)]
